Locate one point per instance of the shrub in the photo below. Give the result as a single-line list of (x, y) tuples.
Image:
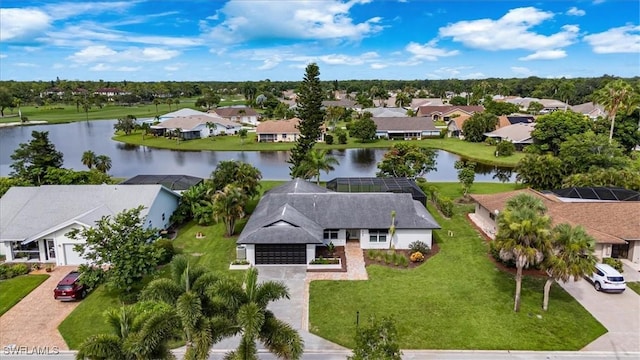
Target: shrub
[(495, 253), (397, 258), (419, 246), (371, 254), (4, 272), (445, 205), (490, 141), (20, 269), (404, 262), (168, 251), (328, 139), (35, 267), (505, 148), (416, 257), (240, 262), (388, 258), (92, 276), (342, 138), (322, 261), (615, 263)]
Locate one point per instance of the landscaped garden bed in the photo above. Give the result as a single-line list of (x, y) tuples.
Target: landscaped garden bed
[(387, 257), (324, 259)]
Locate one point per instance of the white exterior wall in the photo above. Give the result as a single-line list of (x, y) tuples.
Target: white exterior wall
[(311, 252), (341, 240), (634, 251), (60, 239), (5, 249), (165, 203), (253, 120), (251, 253), (404, 237), (230, 131), (288, 137)]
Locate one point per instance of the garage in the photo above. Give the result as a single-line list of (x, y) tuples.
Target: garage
[(72, 257), (281, 254)]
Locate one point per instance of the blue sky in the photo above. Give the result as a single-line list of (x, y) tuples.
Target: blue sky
[(240, 40)]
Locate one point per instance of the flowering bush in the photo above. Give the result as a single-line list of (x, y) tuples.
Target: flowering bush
[(417, 257)]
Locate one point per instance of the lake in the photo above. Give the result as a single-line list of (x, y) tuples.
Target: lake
[(129, 160)]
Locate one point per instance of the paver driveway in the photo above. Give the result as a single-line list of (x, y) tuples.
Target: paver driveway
[(34, 320)]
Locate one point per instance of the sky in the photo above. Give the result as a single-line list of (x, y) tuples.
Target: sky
[(250, 40)]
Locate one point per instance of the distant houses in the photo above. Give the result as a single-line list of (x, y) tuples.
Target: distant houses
[(238, 114), (405, 128), (281, 131)]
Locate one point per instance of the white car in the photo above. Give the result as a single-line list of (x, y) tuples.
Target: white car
[(606, 278)]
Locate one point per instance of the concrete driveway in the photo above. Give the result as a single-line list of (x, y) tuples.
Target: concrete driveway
[(34, 320), (290, 310), (619, 313)]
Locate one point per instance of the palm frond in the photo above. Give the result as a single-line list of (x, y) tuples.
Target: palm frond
[(189, 309), (281, 339), (165, 290), (270, 291), (101, 347)]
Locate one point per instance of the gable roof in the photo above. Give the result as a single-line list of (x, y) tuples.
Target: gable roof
[(26, 212), (187, 123), (173, 182), (447, 109), (404, 124), (339, 103), (228, 112), (386, 112), (182, 113), (295, 205), (607, 222), (278, 126), (457, 122), (518, 133)]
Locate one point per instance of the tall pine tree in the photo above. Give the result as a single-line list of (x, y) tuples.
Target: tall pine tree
[(311, 116)]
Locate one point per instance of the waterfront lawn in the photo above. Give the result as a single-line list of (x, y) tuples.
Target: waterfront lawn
[(476, 151), (15, 289), (458, 299), (214, 251)]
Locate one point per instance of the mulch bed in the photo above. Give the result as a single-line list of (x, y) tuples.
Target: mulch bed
[(338, 253), (434, 250), (499, 264)]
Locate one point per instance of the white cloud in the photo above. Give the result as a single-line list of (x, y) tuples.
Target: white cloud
[(58, 66), (259, 20), (449, 72), (104, 53), (22, 64), (428, 51), (574, 11), (2, 56), (18, 24), (269, 64), (625, 39), (341, 59), (100, 67), (512, 31), (545, 55), (519, 70), (377, 66)]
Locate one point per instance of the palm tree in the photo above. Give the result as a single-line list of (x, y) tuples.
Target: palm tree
[(203, 322), (156, 102), (169, 101), (255, 322), (145, 128), (141, 331), (103, 163), (402, 99), (178, 132), (317, 161), (228, 206), (617, 96), (571, 255), (523, 236), (243, 135), (89, 159)]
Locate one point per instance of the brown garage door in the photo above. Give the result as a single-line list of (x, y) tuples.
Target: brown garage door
[(281, 254)]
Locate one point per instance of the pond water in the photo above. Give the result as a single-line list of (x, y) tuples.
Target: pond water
[(129, 160)]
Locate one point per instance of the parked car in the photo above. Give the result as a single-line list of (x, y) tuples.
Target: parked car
[(606, 278), (70, 288)]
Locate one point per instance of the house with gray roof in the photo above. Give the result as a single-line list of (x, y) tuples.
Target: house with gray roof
[(386, 112), (291, 220), (519, 134), (34, 221), (405, 128), (196, 126)]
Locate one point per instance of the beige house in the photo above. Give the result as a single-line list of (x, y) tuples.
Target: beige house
[(281, 131), (448, 112), (615, 225)]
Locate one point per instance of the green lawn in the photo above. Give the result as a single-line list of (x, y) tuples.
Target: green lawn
[(15, 289), (456, 300), (475, 151), (634, 285), (214, 251)]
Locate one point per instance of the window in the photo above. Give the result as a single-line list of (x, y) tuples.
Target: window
[(331, 234), (162, 216), (378, 235)]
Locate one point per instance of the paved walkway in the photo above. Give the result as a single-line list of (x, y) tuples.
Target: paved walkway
[(34, 320)]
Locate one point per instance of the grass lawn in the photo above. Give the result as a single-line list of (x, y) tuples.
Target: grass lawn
[(475, 151), (634, 285), (214, 251), (15, 289), (458, 299)]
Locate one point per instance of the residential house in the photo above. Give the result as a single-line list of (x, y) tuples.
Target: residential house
[(345, 103), (111, 92), (518, 134), (184, 112), (454, 126), (238, 114), (593, 111), (378, 184), (52, 92), (405, 128), (34, 221), (506, 120), (291, 220), (418, 102), (281, 131), (448, 112), (386, 112), (196, 126), (613, 224), (177, 183), (549, 105)]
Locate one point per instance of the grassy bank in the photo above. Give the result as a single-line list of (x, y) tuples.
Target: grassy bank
[(458, 299), (474, 151), (15, 289)]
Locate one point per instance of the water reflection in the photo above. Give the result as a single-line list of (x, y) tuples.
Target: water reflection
[(129, 160)]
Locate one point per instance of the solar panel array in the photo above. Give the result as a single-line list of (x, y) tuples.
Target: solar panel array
[(375, 184)]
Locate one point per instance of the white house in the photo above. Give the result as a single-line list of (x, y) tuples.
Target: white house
[(34, 221), (197, 126), (282, 131), (238, 114), (292, 219)]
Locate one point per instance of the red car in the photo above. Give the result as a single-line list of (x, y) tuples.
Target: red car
[(69, 288)]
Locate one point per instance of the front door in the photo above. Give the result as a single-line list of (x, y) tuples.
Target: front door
[(620, 251), (51, 249)]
